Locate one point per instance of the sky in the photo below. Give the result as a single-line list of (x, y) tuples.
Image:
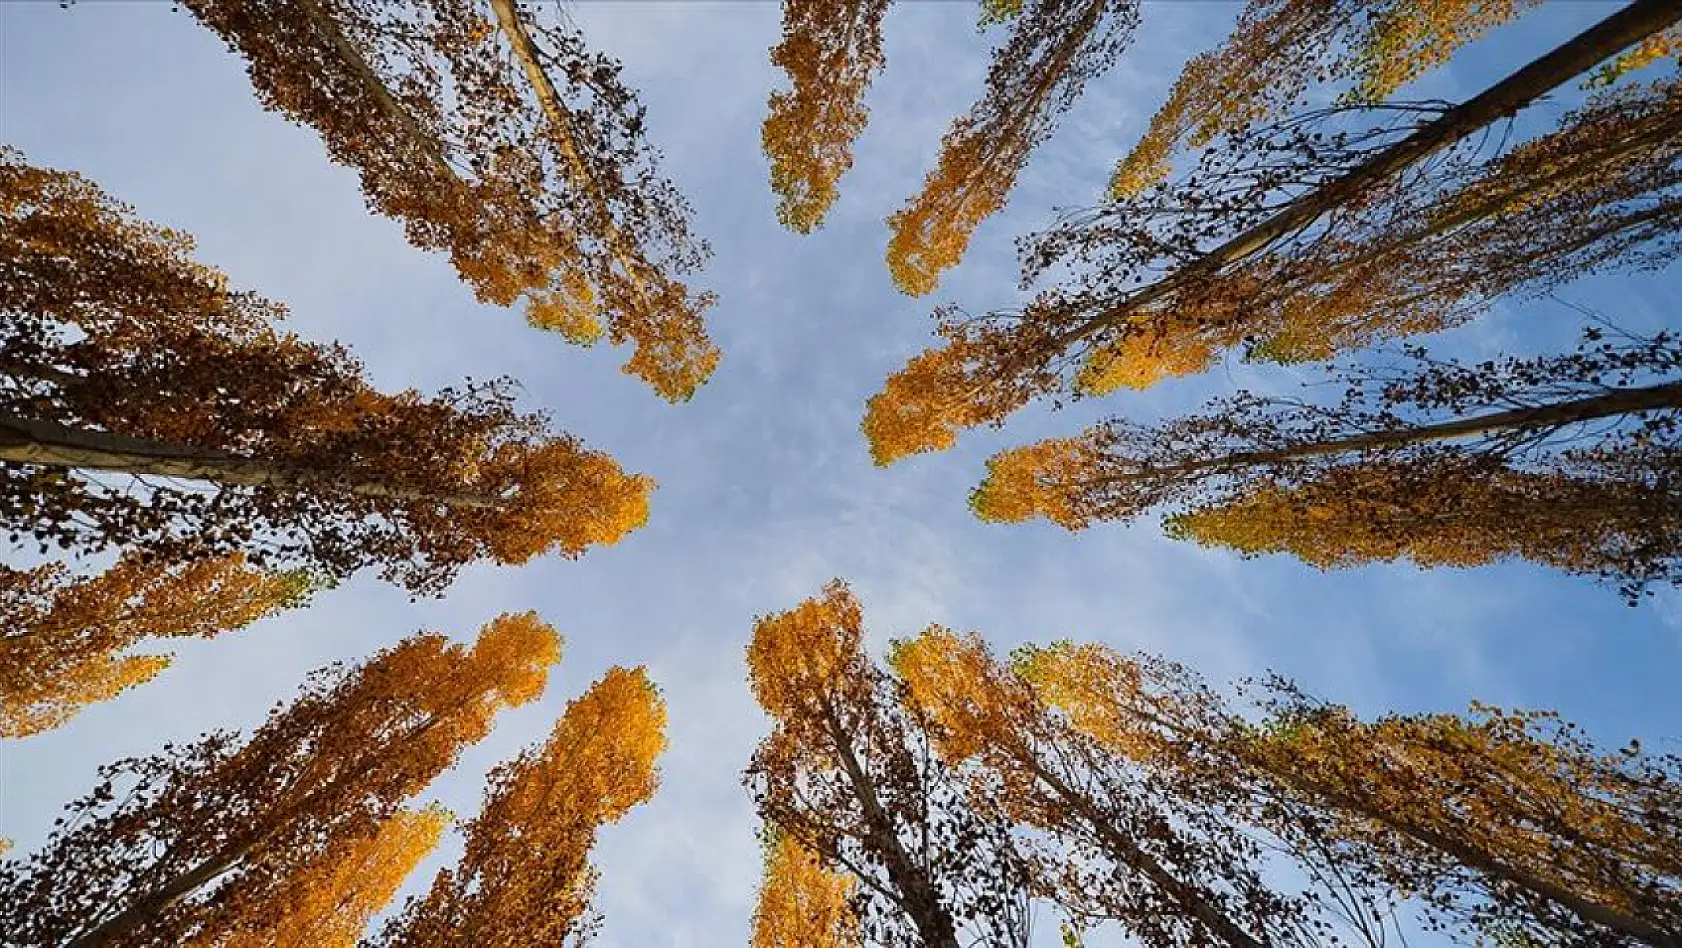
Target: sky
[(766, 490)]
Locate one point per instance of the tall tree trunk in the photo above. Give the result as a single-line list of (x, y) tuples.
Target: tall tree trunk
[(161, 898), (1473, 858), (1130, 855), (30, 441), (921, 902), (560, 118), (1618, 401), (423, 145), (1639, 20)]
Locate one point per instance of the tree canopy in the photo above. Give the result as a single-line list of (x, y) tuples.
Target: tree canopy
[(124, 355)]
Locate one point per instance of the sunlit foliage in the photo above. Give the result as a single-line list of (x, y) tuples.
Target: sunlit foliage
[(329, 902), (208, 836), (1569, 460), (1055, 47), (493, 132), (847, 773), (1322, 232), (62, 644), (802, 902), (121, 354), (831, 51), (525, 878), (1281, 48)]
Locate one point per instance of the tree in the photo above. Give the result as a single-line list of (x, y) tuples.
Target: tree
[(1172, 275), (1055, 47), (1505, 819), (60, 650), (525, 878), (831, 51), (848, 773), (1568, 460), (123, 355), (1280, 48), (505, 141), (200, 836), (1162, 858), (330, 902), (1500, 821), (803, 903), (1601, 193)]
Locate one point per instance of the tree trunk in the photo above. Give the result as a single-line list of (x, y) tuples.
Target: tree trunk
[(160, 898), (921, 902), (28, 441), (1481, 861), (1130, 855), (508, 18), (423, 144), (1583, 52), (1618, 401)]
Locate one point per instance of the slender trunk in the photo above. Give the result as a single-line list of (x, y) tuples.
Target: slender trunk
[(1130, 855), (161, 898), (1618, 401), (1583, 52), (423, 145), (29, 441), (560, 119), (1473, 858), (921, 902), (1500, 200)]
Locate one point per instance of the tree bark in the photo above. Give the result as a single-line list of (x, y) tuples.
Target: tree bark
[(1583, 52), (1619, 401), (159, 899), (29, 441)]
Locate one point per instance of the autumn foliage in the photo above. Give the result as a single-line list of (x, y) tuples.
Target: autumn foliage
[(1322, 231), (124, 355), (1281, 48), (65, 638), (847, 775), (1498, 821), (1567, 460), (330, 901), (1054, 48), (211, 836), (802, 902), (525, 877), (831, 51), (498, 136)]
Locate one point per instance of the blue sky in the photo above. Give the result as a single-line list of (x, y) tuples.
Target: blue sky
[(766, 490)]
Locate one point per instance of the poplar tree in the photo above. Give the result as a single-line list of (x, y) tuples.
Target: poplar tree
[(1316, 205), (1498, 820), (525, 878), (831, 51), (1163, 859), (1055, 47), (1569, 460), (495, 134), (123, 356), (848, 773), (64, 637), (329, 902), (803, 903), (1279, 49), (175, 844)]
